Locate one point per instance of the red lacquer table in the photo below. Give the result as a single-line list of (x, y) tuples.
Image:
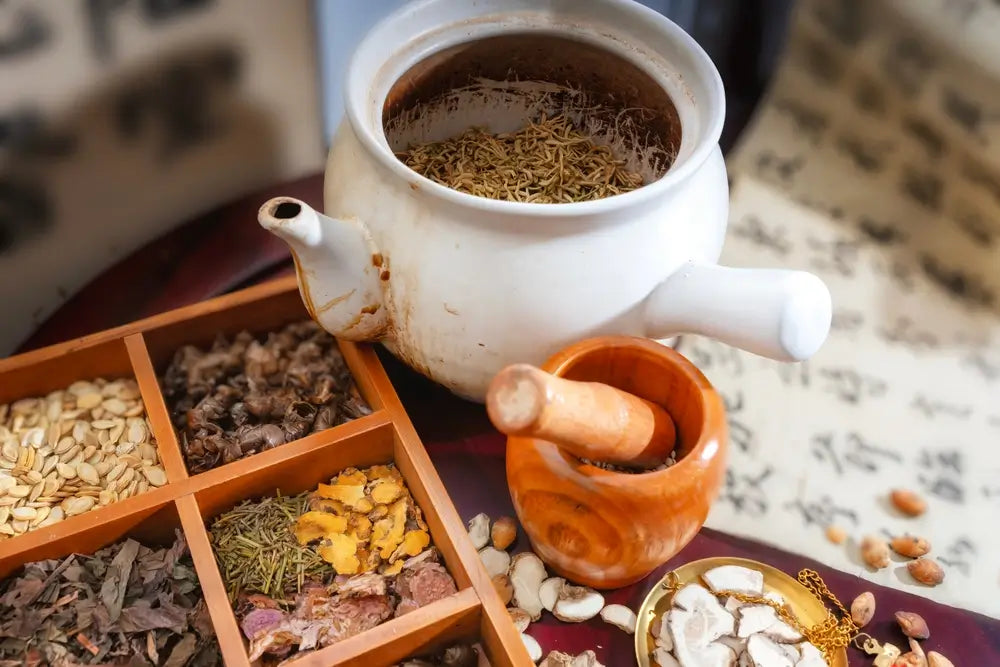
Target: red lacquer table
[(226, 250)]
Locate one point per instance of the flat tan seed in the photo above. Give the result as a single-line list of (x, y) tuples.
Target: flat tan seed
[(89, 400), (65, 445), (137, 431), (6, 484), (19, 526), (33, 437), (116, 431), (19, 491), (54, 433), (128, 475), (89, 451), (23, 514), (155, 475), (65, 470), (4, 514), (79, 505), (8, 501), (116, 471), (95, 459), (143, 486), (50, 464), (41, 514), (87, 473), (56, 514), (124, 448), (76, 459), (135, 410), (36, 491), (50, 486), (115, 406), (24, 406), (131, 488), (33, 477), (103, 424), (7, 465), (31, 458), (11, 451), (109, 448), (103, 467), (70, 454), (80, 430), (22, 457), (67, 423), (106, 497), (38, 460), (109, 389), (148, 452)]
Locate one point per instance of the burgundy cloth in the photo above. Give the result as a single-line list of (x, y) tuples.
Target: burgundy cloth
[(474, 474), (225, 249)]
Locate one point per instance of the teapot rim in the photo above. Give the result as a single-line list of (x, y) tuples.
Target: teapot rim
[(358, 98)]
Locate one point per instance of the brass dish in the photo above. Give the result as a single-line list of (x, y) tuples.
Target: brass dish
[(806, 608)]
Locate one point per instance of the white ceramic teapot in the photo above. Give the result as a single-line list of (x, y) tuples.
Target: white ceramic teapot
[(458, 286)]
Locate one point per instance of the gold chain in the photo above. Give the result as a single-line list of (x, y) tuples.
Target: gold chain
[(828, 635)]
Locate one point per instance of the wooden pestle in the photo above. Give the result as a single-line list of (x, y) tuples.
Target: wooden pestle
[(588, 419)]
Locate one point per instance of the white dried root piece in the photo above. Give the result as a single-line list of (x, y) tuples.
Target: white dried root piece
[(520, 617), (810, 656), (496, 562), (764, 652), (548, 592), (577, 604), (560, 659), (734, 578), (534, 649), (664, 658), (619, 616), (527, 572), (701, 611), (479, 531), (762, 619)]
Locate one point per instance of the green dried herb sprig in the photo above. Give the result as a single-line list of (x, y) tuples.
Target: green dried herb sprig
[(256, 549), (547, 162)]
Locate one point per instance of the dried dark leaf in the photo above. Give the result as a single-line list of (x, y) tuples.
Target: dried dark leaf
[(116, 578)]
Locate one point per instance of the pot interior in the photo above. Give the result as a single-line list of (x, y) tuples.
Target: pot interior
[(504, 82)]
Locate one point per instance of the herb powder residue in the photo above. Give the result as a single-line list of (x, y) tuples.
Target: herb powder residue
[(257, 551), (546, 162)]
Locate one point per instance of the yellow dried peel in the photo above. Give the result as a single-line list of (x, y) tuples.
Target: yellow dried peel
[(312, 526)]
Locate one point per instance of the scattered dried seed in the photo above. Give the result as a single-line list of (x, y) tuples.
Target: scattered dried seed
[(155, 475), (926, 571), (910, 546), (23, 513)]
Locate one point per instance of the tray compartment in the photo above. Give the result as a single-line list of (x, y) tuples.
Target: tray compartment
[(33, 376), (260, 317), (303, 471), (153, 525)]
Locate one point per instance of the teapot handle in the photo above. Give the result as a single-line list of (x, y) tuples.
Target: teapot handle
[(776, 313)]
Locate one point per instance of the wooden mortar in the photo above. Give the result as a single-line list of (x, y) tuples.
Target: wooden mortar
[(608, 529)]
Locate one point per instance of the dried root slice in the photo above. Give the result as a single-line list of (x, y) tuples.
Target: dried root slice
[(548, 592), (753, 619), (577, 604), (664, 658), (557, 659), (736, 643), (708, 655), (479, 531), (502, 584), (810, 656), (527, 572), (586, 659), (697, 608), (734, 578), (496, 562), (313, 526), (619, 616), (534, 650), (520, 617), (764, 652), (504, 532)]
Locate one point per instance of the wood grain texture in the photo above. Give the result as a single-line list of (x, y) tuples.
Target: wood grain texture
[(590, 420), (608, 529)]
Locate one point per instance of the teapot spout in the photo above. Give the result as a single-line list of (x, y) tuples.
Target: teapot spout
[(342, 277), (781, 314)]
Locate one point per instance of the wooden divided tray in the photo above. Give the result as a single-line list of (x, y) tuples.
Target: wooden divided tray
[(186, 502)]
